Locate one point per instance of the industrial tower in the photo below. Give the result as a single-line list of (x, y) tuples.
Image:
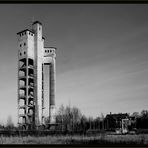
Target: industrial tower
[(32, 56)]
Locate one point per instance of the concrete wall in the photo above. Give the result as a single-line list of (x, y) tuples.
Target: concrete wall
[(38, 70), (31, 45)]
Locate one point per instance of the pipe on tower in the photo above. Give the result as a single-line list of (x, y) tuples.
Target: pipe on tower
[(52, 81)]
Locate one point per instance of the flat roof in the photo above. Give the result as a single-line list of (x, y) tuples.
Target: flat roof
[(25, 31), (51, 47), (36, 22)]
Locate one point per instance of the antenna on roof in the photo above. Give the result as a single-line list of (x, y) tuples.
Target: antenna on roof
[(32, 19), (32, 22)]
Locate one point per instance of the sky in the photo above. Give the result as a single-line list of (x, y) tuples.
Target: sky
[(102, 55)]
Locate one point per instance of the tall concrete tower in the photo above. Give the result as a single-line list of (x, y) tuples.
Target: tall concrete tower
[(32, 56)]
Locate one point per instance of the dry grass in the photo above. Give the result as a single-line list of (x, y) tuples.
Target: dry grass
[(77, 139)]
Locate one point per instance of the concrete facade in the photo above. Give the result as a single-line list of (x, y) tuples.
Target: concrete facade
[(32, 56)]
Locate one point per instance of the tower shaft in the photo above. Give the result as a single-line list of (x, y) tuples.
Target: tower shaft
[(32, 56)]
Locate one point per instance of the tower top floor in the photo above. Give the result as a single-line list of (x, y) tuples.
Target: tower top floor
[(36, 30), (31, 44)]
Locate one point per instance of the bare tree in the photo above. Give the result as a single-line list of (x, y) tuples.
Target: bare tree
[(10, 124), (76, 118), (68, 117), (60, 116)]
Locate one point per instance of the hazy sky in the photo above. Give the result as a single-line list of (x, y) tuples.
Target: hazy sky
[(102, 55)]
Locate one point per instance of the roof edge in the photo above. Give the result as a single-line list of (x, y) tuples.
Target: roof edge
[(25, 31), (51, 47), (36, 22)]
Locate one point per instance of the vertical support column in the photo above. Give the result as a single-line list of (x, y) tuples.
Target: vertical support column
[(27, 90), (52, 90), (42, 93), (18, 84), (35, 95)]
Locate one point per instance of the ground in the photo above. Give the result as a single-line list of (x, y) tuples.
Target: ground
[(141, 139)]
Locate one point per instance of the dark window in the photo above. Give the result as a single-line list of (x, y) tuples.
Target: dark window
[(20, 54), (29, 32), (20, 45), (50, 50), (24, 52), (39, 28), (24, 44)]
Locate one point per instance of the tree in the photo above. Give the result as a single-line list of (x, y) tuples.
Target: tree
[(144, 119), (144, 113), (60, 116), (68, 117), (84, 123), (102, 118), (135, 115), (90, 120), (10, 124), (76, 118), (97, 122)]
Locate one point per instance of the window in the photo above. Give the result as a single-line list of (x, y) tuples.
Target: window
[(39, 28), (24, 44), (24, 52), (50, 50), (29, 32), (20, 53), (20, 45)]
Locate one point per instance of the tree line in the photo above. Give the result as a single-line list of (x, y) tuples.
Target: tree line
[(70, 119)]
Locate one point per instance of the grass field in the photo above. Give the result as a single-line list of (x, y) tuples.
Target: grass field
[(78, 139)]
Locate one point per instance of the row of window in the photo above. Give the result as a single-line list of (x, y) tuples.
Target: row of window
[(24, 33), (45, 51), (21, 53), (21, 44), (48, 51), (30, 33)]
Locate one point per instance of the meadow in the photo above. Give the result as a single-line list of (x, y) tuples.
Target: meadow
[(98, 139)]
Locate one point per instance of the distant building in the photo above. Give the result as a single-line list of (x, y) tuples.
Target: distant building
[(114, 121)]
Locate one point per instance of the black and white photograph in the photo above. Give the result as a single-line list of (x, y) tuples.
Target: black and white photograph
[(74, 74)]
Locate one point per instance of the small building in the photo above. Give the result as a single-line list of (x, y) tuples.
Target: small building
[(115, 121)]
